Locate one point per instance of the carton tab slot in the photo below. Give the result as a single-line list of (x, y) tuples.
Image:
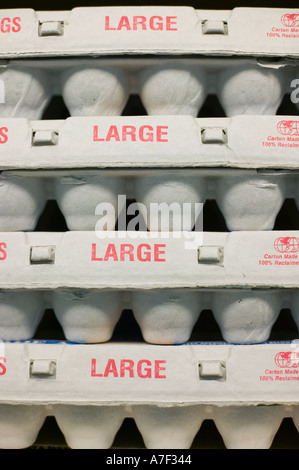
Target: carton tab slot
[(51, 28), (210, 254), (214, 27), (42, 255), (212, 370), (42, 138), (214, 135), (42, 368)]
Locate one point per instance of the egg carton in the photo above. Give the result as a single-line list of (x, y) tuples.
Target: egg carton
[(166, 86), (172, 57), (248, 164), (149, 30), (245, 278), (169, 392)]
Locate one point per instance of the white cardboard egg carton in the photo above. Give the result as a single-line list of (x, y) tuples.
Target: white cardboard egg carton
[(248, 164), (169, 392), (105, 142), (149, 30), (166, 279), (173, 57), (166, 86), (37, 35)]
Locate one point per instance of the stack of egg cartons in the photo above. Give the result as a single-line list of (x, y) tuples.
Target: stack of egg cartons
[(166, 273)]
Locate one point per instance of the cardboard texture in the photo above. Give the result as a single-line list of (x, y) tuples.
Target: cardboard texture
[(245, 278), (247, 391), (173, 58), (166, 86), (154, 30), (248, 164), (249, 201), (157, 142)]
